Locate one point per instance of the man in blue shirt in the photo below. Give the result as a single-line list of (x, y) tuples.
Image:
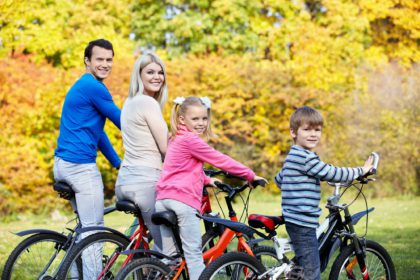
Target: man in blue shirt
[(87, 105)]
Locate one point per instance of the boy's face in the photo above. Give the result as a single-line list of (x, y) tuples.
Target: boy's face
[(307, 136)]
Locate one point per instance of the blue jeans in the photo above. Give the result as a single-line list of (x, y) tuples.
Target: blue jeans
[(189, 231), (86, 182), (305, 245)]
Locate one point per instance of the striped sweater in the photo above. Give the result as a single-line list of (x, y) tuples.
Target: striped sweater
[(299, 181)]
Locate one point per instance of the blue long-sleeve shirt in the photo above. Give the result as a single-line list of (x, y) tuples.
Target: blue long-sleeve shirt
[(299, 181), (87, 105)]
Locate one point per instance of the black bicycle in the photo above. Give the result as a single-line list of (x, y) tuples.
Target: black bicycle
[(358, 258), (41, 255)]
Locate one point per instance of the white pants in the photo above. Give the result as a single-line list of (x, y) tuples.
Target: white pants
[(138, 184), (190, 233), (86, 182)]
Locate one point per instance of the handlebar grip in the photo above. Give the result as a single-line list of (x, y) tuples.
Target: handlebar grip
[(257, 183), (212, 173), (374, 169)]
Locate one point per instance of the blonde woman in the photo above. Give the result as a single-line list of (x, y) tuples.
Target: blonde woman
[(145, 136)]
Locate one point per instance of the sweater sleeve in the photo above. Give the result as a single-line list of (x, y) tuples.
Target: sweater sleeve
[(278, 179), (207, 179), (157, 125), (202, 151), (108, 151), (327, 172), (102, 101)]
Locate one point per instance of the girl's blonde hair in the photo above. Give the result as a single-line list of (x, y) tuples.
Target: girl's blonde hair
[(181, 110), (136, 84)]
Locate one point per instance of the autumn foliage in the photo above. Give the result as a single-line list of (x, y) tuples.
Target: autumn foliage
[(355, 61)]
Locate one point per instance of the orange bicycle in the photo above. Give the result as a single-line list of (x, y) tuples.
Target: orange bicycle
[(161, 266)]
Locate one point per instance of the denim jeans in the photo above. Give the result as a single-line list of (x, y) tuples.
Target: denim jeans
[(86, 182), (305, 244), (138, 184), (190, 232)]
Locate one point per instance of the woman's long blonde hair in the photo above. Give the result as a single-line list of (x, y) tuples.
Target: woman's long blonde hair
[(181, 110), (136, 84)]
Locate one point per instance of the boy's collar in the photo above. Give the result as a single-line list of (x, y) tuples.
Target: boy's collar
[(302, 149)]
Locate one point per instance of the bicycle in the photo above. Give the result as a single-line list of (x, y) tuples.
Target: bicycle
[(161, 266), (111, 244), (358, 258), (41, 254), (115, 244)]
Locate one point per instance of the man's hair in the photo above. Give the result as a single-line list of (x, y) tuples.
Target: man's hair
[(100, 43), (305, 115)]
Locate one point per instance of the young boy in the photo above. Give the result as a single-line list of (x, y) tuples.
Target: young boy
[(299, 181)]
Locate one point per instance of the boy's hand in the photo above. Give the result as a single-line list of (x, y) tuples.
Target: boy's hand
[(258, 178), (213, 180), (368, 165)]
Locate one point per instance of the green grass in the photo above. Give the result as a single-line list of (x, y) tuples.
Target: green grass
[(394, 224)]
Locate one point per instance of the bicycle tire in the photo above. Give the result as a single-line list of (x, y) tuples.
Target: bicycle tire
[(378, 262), (231, 266), (110, 245), (31, 256), (210, 238), (267, 256), (144, 268)]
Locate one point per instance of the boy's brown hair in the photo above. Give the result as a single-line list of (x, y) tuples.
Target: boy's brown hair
[(305, 115)]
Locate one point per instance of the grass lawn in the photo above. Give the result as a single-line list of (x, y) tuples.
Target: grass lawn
[(394, 224)]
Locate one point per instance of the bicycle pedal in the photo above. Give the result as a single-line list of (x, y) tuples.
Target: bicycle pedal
[(296, 273)]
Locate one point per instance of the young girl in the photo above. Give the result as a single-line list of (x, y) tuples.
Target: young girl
[(180, 186)]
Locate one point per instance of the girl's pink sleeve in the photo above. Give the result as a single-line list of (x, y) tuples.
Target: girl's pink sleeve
[(202, 151)]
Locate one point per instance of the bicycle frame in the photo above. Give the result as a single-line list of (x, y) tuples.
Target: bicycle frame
[(335, 232), (139, 239), (225, 238)]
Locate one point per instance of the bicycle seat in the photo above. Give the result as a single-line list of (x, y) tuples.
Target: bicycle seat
[(128, 207), (269, 223), (64, 190), (167, 218)]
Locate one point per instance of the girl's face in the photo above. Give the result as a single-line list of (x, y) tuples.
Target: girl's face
[(153, 78), (195, 119), (307, 136)]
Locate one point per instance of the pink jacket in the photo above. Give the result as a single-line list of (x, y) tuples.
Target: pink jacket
[(182, 176)]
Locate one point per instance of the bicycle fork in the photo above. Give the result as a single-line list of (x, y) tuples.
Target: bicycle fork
[(358, 249)]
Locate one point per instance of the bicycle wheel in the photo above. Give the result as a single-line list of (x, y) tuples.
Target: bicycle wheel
[(233, 265), (145, 268), (99, 254), (378, 262), (38, 256), (210, 238), (267, 256)]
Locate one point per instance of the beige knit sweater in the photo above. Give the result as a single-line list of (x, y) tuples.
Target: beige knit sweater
[(144, 132)]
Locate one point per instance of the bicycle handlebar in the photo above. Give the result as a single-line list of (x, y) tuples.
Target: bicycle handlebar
[(375, 163), (212, 173), (373, 170)]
